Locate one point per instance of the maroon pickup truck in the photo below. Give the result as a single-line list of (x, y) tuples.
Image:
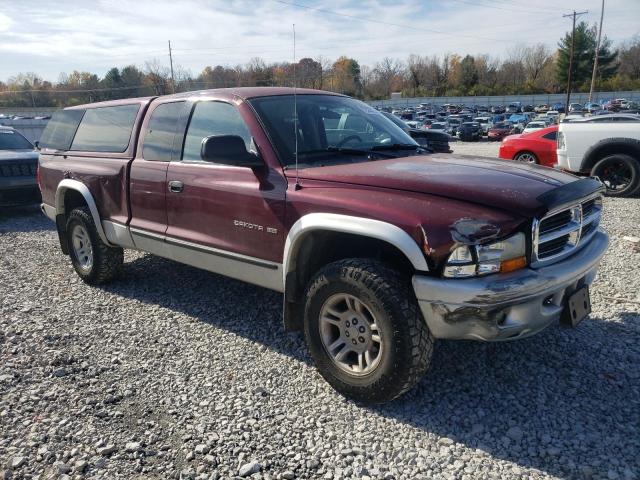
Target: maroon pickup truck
[(378, 246)]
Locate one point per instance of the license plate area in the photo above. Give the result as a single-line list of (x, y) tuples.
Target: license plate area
[(578, 307)]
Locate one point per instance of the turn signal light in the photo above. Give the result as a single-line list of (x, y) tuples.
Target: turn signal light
[(513, 264)]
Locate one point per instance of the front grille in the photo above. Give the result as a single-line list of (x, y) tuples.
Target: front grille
[(560, 233), (17, 169)]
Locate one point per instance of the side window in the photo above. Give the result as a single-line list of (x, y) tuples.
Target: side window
[(160, 133), (213, 118), (106, 129), (551, 136), (59, 132)]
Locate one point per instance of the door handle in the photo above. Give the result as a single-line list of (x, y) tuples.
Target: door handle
[(176, 186)]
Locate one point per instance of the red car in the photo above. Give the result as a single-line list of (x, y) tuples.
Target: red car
[(534, 147), (499, 131)]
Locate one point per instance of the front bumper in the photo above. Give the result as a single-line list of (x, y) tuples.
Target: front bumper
[(18, 191), (506, 306)]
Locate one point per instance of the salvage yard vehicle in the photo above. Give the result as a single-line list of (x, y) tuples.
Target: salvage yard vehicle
[(608, 149), (433, 140), (18, 166), (538, 146), (377, 247)]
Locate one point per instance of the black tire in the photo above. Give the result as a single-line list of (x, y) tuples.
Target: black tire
[(407, 343), (620, 173), (520, 157), (106, 262)]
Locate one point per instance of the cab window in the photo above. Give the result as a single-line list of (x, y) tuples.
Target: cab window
[(213, 118)]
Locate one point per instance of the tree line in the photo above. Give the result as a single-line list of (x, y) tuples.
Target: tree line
[(526, 69)]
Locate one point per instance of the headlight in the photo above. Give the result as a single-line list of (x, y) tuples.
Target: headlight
[(503, 256), (560, 139)]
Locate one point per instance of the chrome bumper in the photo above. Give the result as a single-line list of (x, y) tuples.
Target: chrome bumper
[(506, 306)]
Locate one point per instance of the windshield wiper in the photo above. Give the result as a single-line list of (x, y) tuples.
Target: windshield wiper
[(346, 151), (396, 146)]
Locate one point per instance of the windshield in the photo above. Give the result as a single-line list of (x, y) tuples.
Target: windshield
[(328, 125), (12, 140)]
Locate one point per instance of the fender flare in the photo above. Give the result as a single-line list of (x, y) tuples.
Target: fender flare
[(81, 188), (589, 159), (365, 227)]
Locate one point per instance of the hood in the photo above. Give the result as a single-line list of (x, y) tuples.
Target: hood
[(13, 155), (502, 184)]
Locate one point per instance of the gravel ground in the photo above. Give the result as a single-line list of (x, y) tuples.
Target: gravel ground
[(174, 373), (483, 148)]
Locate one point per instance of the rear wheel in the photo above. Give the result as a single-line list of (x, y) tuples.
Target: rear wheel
[(620, 173), (93, 260), (526, 157), (365, 331)]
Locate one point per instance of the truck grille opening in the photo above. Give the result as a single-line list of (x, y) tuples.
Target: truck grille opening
[(560, 233), (18, 169)]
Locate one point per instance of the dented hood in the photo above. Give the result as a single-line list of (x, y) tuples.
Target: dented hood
[(503, 184)]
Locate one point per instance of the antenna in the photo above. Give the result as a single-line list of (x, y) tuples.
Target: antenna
[(295, 109)]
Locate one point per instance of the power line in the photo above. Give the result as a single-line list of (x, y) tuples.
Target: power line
[(475, 3), (382, 22)]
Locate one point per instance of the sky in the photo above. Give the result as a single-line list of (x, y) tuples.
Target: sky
[(49, 37)]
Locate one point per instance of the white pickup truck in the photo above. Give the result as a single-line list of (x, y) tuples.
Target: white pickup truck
[(609, 150)]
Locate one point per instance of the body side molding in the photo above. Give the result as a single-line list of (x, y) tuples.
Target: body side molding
[(68, 184), (365, 227)]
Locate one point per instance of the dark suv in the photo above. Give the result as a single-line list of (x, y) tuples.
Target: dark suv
[(18, 165)]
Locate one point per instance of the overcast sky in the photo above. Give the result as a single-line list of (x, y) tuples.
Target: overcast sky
[(50, 37)]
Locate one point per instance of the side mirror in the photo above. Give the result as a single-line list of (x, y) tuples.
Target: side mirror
[(228, 150)]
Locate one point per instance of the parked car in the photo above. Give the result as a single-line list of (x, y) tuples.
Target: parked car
[(609, 150), (538, 146), (499, 131), (611, 117), (542, 108), (514, 107), (18, 166), (555, 114), (558, 107), (576, 107), (485, 123), (470, 131), (437, 142), (592, 107), (498, 109), (378, 248), (528, 108), (534, 126), (454, 124)]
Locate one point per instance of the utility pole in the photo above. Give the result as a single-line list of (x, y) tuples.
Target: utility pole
[(173, 80), (573, 41), (595, 61)]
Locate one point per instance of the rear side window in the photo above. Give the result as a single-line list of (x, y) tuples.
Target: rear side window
[(213, 118), (551, 135), (161, 131), (59, 132), (106, 129)]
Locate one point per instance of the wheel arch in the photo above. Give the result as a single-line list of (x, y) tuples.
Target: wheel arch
[(67, 197), (311, 244), (610, 146)]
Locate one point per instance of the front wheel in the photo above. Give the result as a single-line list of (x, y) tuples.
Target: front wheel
[(94, 261), (526, 157), (365, 332), (620, 174)]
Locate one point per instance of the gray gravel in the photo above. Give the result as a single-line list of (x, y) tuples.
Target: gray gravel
[(483, 148), (177, 373)]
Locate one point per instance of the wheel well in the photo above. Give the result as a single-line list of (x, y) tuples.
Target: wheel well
[(631, 148), (319, 248), (73, 199)]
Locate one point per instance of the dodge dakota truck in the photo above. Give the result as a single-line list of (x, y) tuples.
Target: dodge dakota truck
[(378, 246)]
